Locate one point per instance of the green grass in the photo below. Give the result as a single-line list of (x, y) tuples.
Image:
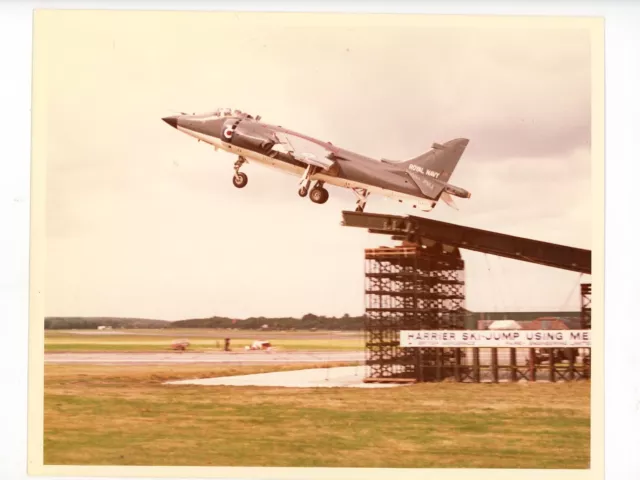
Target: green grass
[(97, 415)]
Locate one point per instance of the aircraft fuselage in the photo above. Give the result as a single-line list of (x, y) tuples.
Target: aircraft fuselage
[(255, 141)]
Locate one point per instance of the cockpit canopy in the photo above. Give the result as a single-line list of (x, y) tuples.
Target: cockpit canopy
[(224, 112)]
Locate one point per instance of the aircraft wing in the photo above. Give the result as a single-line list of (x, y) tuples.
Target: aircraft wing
[(311, 159), (303, 150)]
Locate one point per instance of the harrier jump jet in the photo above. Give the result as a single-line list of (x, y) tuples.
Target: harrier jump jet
[(421, 181)]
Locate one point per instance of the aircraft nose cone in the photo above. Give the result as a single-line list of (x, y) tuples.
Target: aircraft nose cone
[(173, 121)]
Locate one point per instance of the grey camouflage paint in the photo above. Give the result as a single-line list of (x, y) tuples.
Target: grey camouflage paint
[(424, 176)]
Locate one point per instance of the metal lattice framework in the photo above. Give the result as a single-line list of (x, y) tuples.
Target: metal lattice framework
[(585, 292), (411, 288), (419, 288), (585, 296), (422, 287)]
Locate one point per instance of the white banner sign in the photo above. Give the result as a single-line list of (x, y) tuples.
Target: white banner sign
[(495, 338)]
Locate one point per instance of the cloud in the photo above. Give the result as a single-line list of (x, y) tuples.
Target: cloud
[(512, 92), (144, 221)]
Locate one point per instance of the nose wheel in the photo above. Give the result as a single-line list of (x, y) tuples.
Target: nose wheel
[(240, 179)]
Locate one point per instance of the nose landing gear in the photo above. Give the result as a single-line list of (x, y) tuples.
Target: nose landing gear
[(240, 179)]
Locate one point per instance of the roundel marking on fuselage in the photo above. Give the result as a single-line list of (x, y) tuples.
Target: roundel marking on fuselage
[(228, 132)]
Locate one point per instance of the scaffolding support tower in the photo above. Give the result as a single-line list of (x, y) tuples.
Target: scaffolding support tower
[(411, 287), (585, 313)]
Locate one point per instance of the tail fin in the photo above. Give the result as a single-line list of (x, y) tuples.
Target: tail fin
[(440, 161)]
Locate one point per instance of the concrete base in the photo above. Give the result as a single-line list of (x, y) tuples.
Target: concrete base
[(337, 377)]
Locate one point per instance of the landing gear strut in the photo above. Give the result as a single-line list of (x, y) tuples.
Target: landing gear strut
[(240, 179), (319, 194), (362, 195), (306, 180)]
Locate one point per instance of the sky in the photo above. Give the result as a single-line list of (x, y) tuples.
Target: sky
[(143, 221)]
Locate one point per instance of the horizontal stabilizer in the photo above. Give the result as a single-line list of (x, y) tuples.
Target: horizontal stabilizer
[(448, 199)]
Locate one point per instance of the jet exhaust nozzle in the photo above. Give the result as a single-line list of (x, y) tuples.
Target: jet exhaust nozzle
[(457, 191)]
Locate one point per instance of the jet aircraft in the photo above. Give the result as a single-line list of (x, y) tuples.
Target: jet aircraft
[(421, 181)]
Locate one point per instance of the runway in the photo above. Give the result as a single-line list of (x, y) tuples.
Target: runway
[(236, 334), (267, 358), (223, 358)]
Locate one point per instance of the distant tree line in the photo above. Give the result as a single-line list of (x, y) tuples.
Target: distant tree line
[(81, 323), (307, 322)]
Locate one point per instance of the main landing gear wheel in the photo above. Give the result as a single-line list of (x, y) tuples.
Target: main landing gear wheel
[(319, 195), (240, 180), (302, 191)]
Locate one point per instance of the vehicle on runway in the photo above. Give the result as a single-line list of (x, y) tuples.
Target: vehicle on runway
[(421, 181), (260, 345), (180, 345)]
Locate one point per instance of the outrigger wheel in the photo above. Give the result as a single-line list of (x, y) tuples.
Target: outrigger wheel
[(240, 179)]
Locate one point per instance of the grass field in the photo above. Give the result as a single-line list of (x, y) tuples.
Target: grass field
[(97, 415), (200, 340)]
